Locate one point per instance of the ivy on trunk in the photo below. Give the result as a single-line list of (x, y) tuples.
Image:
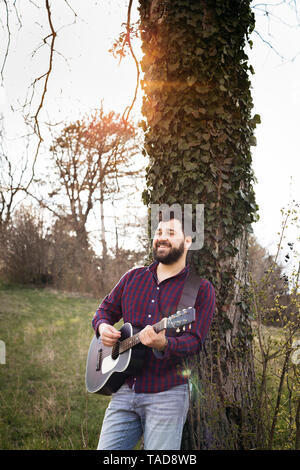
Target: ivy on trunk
[(198, 134)]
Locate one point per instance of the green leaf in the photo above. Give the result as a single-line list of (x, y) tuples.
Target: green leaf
[(256, 119), (173, 67), (190, 166), (191, 80)]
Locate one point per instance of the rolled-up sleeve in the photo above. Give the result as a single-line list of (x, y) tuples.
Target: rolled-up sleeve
[(110, 309)]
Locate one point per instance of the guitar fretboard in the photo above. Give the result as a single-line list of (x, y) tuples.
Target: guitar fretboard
[(135, 339)]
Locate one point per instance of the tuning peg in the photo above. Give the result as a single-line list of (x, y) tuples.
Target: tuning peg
[(177, 330), (183, 328), (190, 326)]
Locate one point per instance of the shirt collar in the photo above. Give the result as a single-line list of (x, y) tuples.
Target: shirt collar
[(153, 268)]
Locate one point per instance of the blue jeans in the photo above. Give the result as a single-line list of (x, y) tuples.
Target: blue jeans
[(160, 417)]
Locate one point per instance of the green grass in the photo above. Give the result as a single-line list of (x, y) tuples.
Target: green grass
[(43, 400)]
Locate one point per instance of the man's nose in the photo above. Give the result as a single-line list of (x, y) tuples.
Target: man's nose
[(163, 238)]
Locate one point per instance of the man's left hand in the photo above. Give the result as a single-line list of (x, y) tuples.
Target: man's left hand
[(154, 340)]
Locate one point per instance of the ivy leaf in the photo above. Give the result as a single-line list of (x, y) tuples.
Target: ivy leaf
[(190, 165), (173, 67), (205, 147), (209, 186), (182, 145), (191, 80), (256, 119), (194, 143), (161, 191)]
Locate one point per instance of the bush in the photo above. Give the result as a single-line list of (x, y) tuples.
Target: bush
[(33, 254), (25, 249)]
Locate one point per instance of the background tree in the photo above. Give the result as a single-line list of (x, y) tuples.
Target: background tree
[(13, 179), (90, 156), (198, 133), (274, 298), (24, 254), (94, 161), (264, 269)]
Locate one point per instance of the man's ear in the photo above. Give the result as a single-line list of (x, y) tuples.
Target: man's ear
[(188, 241)]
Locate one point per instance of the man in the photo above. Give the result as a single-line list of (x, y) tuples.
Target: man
[(155, 402)]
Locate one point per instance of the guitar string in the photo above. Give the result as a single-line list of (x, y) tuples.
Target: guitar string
[(127, 341), (131, 339)]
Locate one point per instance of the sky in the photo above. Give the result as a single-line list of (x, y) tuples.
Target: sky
[(84, 73), (276, 98)]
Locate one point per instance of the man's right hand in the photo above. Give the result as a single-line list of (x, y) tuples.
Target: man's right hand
[(109, 334)]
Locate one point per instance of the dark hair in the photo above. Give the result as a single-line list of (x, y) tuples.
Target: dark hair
[(166, 216), (178, 211)]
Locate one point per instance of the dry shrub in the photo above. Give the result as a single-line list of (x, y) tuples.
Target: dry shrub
[(25, 248), (31, 253)]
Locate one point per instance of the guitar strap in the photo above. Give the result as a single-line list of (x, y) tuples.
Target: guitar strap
[(188, 295), (190, 291)]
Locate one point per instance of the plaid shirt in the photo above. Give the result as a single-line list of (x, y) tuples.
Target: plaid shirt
[(139, 299)]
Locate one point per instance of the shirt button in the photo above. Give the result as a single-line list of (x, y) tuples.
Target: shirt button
[(149, 316), (157, 288), (152, 300)]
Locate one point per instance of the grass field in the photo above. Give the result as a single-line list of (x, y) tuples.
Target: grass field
[(43, 400)]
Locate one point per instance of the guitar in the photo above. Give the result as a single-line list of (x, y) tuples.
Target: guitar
[(108, 367)]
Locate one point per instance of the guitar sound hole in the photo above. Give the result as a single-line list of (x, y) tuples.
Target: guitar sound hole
[(115, 350)]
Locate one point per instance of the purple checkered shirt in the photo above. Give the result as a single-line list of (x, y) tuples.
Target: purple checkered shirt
[(139, 299)]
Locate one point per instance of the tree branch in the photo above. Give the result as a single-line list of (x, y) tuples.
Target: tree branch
[(8, 41), (127, 40)]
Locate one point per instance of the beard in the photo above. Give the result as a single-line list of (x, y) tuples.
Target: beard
[(171, 256)]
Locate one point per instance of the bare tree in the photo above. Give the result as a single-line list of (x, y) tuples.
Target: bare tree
[(94, 158), (13, 178)]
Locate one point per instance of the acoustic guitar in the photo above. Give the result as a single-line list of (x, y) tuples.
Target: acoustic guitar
[(108, 367)]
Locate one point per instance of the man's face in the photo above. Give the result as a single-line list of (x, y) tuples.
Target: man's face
[(169, 242)]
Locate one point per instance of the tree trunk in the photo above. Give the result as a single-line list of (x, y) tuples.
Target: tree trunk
[(103, 236), (198, 133), (104, 257), (297, 421)]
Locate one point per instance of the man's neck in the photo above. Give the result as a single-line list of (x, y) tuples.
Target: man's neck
[(164, 271)]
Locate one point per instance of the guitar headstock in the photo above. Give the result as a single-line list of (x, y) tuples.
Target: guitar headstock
[(181, 318)]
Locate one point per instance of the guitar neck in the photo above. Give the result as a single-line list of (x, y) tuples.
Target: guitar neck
[(135, 339)]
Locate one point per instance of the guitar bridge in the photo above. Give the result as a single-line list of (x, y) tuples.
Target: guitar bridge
[(99, 360)]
